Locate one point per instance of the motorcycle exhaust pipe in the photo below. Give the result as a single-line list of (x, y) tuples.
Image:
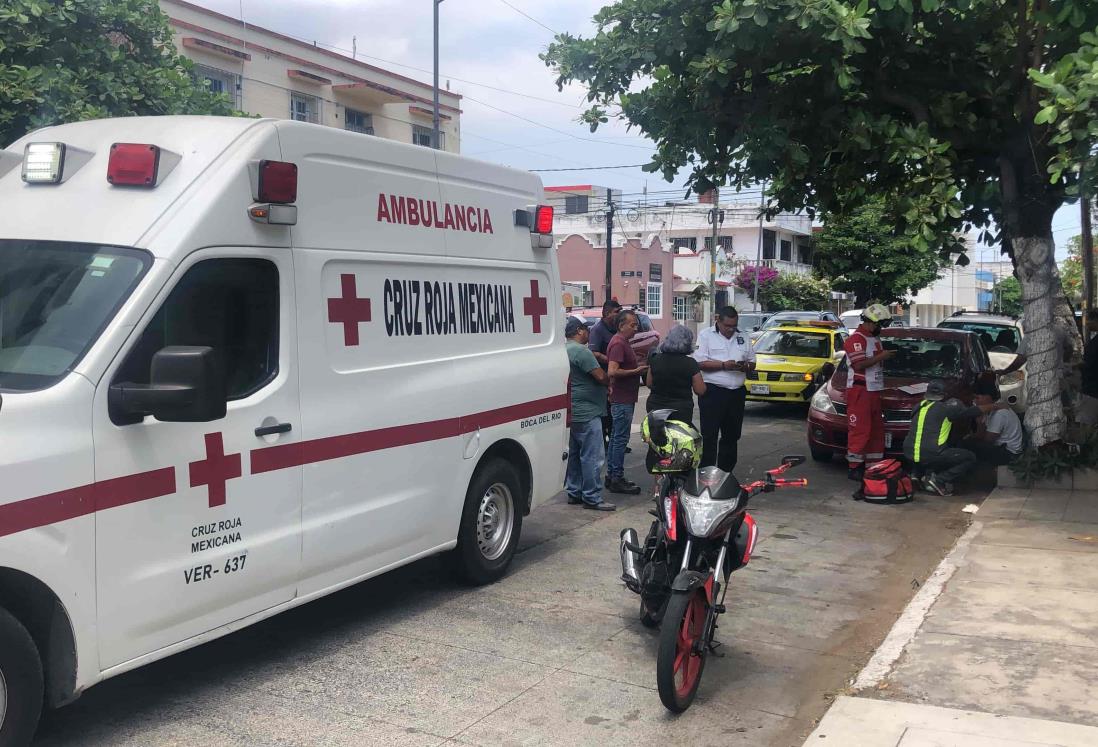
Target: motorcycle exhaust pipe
[(629, 549)]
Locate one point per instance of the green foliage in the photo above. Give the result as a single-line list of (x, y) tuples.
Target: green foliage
[(67, 60), (789, 291), (1071, 271), (1007, 296), (925, 103), (1057, 459), (863, 254)]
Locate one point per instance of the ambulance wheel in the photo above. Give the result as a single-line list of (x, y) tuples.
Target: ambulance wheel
[(20, 683), (820, 455), (490, 523)]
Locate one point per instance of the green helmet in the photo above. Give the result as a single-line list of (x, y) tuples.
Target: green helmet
[(674, 446)]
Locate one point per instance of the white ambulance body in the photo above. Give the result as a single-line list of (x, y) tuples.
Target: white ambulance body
[(265, 361)]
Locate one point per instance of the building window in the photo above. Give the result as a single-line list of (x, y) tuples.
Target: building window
[(687, 242), (724, 242), (681, 309), (653, 304), (422, 136), (219, 81), (769, 244), (304, 108), (357, 121), (787, 251), (575, 204), (804, 251)]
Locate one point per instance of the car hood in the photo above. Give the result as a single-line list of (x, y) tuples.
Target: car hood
[(787, 363), (893, 398)]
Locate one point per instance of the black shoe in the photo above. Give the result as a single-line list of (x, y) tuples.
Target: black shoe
[(574, 500), (601, 506), (855, 473), (621, 486), (628, 450), (630, 483)]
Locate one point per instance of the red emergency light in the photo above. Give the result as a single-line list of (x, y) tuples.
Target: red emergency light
[(277, 182), (543, 219), (133, 165)]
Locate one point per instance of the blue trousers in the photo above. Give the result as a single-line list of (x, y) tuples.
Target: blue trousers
[(585, 460), (622, 416)]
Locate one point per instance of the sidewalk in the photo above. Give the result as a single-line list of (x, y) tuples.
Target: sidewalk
[(999, 646)]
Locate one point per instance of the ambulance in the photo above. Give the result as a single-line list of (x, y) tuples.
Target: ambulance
[(245, 363)]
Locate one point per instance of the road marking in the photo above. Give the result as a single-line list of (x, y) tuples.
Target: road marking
[(905, 628)]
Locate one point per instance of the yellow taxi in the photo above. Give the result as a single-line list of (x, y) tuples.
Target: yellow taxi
[(793, 360)]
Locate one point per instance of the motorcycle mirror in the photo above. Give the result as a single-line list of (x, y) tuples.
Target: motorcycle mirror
[(792, 460)]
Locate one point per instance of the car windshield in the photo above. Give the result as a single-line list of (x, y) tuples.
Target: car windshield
[(794, 344), (777, 319), (55, 299), (991, 334), (750, 321), (921, 358)]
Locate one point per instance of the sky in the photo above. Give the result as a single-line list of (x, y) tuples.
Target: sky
[(488, 45)]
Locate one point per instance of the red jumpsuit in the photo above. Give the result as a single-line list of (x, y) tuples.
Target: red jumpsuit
[(865, 436)]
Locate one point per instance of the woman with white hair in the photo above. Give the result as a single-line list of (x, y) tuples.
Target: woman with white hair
[(674, 377)]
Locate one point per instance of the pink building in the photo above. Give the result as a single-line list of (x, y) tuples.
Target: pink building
[(642, 275)]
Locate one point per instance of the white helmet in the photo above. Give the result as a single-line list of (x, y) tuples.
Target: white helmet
[(877, 314)]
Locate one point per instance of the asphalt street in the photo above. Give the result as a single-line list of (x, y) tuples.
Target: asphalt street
[(554, 654)]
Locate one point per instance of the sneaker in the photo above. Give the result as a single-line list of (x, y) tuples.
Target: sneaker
[(574, 500), (601, 506), (622, 486), (943, 489)]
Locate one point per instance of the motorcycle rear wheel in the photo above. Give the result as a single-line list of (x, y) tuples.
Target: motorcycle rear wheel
[(678, 666)]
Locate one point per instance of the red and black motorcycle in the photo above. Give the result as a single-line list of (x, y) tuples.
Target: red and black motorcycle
[(701, 527)]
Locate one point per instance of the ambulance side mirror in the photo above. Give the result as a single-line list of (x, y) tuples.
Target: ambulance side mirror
[(187, 385)]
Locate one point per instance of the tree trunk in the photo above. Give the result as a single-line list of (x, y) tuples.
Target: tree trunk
[(1044, 304)]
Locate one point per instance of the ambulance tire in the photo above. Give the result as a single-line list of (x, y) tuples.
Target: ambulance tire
[(21, 684), (485, 549)]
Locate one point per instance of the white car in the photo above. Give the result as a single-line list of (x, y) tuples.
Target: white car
[(1003, 338)]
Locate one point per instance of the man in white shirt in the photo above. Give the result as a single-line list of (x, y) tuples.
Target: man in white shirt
[(725, 355), (998, 438)]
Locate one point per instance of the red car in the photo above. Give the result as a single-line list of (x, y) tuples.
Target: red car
[(922, 354)]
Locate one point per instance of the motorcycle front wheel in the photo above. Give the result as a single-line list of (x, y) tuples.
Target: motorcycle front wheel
[(678, 666)]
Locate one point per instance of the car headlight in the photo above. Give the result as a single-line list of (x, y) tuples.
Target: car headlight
[(821, 401), (1012, 378), (704, 514), (797, 377)]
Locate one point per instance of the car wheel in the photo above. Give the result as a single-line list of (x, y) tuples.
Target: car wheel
[(490, 523), (820, 455), (20, 683)]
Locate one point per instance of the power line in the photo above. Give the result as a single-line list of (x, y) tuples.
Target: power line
[(594, 168), (527, 15)]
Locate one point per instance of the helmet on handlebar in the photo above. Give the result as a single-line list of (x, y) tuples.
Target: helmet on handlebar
[(674, 445)]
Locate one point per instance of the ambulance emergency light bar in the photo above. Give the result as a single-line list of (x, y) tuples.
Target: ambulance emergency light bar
[(43, 163), (128, 164), (539, 219)]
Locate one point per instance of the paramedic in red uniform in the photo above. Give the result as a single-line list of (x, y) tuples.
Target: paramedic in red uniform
[(864, 382)]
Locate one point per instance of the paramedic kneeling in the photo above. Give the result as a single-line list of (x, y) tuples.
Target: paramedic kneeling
[(864, 382), (927, 443), (998, 437)]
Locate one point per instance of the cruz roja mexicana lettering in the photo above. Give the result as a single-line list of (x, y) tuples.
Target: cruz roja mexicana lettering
[(430, 307)]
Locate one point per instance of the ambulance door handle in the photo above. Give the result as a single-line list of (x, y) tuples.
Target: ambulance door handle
[(273, 430)]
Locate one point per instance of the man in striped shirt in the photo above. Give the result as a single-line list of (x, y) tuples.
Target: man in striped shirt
[(865, 358)]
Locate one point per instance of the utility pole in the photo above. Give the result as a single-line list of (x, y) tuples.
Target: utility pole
[(609, 239), (1088, 248), (716, 218), (758, 255), (436, 136)]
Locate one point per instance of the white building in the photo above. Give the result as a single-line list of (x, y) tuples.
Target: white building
[(955, 289), (270, 74), (783, 243)]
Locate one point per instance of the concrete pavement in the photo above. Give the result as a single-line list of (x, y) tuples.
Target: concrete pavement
[(1006, 651)]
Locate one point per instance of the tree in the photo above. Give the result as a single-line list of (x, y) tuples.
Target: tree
[(756, 274), (958, 114), (790, 291), (863, 254), (67, 60), (1071, 271), (1006, 297)]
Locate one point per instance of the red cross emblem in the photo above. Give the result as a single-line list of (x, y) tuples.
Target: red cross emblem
[(216, 469), (535, 306), (348, 310)]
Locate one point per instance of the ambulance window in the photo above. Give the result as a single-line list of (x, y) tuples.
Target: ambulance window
[(230, 305), (55, 300)]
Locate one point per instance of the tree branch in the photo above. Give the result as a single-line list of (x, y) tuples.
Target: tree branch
[(910, 104)]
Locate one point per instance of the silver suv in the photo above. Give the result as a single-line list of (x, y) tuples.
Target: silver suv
[(1003, 338)]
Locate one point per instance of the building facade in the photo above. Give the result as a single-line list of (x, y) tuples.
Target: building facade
[(271, 74)]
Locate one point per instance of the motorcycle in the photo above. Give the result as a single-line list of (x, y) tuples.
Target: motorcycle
[(701, 534)]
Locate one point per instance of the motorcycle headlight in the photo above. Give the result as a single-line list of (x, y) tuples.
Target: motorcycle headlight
[(704, 514), (821, 401)]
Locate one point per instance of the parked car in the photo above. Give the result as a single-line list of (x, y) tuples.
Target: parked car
[(793, 360), (793, 316), (753, 321), (922, 354), (1002, 336)]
